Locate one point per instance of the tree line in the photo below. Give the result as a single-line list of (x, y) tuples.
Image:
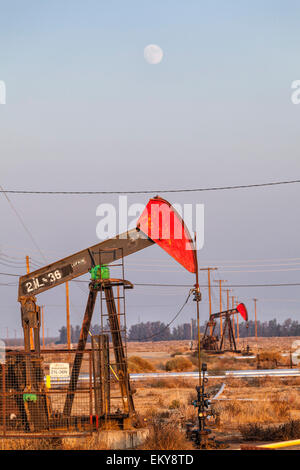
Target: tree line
[(159, 331)]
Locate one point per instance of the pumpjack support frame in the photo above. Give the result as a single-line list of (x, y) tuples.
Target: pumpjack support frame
[(105, 288), (211, 342), (142, 236)]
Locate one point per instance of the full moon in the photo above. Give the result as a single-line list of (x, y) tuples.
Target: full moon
[(153, 54)]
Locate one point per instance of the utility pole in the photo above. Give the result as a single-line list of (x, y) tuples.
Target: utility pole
[(255, 316), (237, 324), (228, 290), (233, 322), (68, 315), (27, 264), (221, 306), (197, 298), (31, 332), (119, 316), (209, 291), (43, 325)]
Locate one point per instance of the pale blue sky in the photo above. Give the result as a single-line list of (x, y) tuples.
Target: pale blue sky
[(86, 112)]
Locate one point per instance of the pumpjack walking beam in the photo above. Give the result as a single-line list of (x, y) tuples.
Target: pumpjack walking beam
[(80, 263)]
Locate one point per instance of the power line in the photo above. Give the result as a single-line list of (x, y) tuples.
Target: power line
[(148, 284), (170, 323), (218, 262), (206, 285), (228, 285), (21, 221), (10, 274), (295, 262), (213, 188)]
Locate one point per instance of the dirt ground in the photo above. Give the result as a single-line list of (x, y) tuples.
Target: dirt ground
[(248, 411), (267, 403)]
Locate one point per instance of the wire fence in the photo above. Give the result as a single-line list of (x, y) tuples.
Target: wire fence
[(46, 396)]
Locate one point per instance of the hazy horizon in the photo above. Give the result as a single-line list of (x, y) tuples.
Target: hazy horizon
[(85, 111)]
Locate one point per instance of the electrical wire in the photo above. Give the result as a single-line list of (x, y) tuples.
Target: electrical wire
[(26, 229), (12, 262), (294, 263), (214, 188), (287, 284), (8, 265), (10, 274), (155, 261), (21, 221), (172, 321)]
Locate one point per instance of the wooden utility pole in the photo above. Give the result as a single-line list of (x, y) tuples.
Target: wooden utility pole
[(191, 334), (237, 324), (221, 305), (43, 325), (31, 332), (227, 290), (27, 264), (119, 316), (68, 315), (233, 322), (255, 316), (197, 296), (209, 291)]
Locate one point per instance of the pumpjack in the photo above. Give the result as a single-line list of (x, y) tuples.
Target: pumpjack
[(149, 231), (211, 342)]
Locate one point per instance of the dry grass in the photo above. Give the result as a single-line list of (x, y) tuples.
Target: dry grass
[(138, 364), (168, 383), (270, 356), (164, 404), (257, 432), (179, 351), (238, 412), (179, 364), (89, 443), (166, 436), (31, 444)]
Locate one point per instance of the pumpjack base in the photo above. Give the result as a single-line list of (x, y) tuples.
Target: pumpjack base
[(112, 421), (210, 352)]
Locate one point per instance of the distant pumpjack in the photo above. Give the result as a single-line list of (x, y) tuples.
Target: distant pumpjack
[(211, 342)]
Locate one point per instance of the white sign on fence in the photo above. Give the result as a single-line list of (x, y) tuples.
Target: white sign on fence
[(59, 369)]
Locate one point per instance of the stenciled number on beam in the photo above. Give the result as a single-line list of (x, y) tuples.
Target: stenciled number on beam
[(35, 284)]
